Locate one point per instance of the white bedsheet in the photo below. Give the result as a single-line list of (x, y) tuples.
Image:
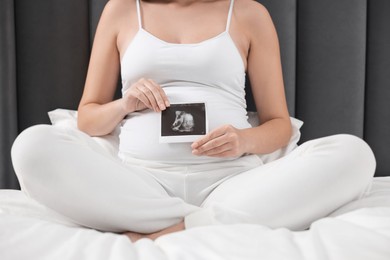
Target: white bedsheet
[(359, 230)]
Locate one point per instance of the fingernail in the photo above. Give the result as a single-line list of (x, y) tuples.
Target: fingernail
[(195, 152), (161, 105), (167, 103)]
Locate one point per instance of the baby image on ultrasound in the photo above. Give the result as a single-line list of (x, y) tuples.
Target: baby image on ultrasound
[(184, 122)]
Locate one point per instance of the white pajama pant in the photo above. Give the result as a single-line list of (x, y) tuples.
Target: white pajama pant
[(68, 172)]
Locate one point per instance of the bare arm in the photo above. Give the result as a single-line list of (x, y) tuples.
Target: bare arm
[(265, 73), (98, 114)]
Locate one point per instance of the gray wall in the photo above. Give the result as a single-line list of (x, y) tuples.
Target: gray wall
[(335, 55)]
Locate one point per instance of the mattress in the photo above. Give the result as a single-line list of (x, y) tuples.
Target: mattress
[(358, 230)]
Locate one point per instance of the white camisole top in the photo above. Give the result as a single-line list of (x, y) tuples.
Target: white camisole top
[(211, 71)]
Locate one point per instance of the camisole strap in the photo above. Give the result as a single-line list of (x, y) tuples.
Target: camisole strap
[(139, 15), (229, 15), (227, 23)]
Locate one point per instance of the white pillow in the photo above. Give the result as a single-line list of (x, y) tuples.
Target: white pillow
[(68, 118)]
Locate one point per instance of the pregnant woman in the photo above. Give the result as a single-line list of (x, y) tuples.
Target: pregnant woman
[(185, 51)]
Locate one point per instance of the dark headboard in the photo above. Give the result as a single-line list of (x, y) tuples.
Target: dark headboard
[(335, 56)]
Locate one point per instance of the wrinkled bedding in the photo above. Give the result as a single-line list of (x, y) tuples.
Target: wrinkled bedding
[(358, 230)]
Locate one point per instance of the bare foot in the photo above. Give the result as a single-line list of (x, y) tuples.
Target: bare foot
[(133, 236)]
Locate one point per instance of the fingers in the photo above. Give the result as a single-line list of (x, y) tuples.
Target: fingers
[(222, 142), (164, 98), (147, 92), (151, 95), (155, 95), (216, 151), (142, 98), (208, 138)]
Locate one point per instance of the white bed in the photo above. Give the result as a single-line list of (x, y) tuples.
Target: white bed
[(358, 230)]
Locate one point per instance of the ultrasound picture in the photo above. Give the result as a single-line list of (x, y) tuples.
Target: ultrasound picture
[(183, 122)]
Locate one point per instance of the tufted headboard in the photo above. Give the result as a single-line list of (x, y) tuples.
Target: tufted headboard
[(335, 56)]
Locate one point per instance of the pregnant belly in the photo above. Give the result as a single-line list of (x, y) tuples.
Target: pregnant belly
[(140, 132)]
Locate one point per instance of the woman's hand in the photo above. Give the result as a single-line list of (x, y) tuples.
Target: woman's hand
[(143, 94), (225, 141)]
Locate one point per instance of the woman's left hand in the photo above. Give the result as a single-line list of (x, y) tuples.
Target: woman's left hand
[(225, 141)]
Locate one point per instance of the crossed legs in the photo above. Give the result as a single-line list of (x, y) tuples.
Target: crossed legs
[(68, 172)]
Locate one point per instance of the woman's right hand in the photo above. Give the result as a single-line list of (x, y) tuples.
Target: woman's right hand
[(143, 94)]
